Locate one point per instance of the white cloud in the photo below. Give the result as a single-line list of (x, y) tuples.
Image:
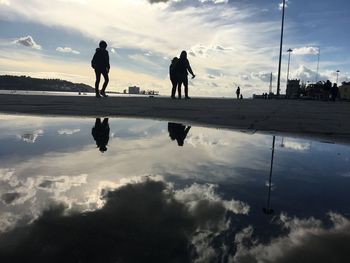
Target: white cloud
[(196, 193), (67, 50), (306, 74), (305, 51), (321, 243), (27, 41), (297, 146), (5, 2), (31, 137), (68, 131)]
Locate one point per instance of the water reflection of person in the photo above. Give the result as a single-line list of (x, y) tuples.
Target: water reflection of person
[(178, 132), (100, 132)]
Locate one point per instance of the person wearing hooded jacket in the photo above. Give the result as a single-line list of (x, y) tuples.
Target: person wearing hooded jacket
[(100, 63), (182, 69)]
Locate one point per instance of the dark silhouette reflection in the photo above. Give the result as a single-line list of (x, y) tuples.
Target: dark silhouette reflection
[(268, 210), (100, 132), (178, 132)]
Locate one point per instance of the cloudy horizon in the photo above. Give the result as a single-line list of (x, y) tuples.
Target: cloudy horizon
[(230, 43)]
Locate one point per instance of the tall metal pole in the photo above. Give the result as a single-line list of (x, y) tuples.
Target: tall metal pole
[(281, 46), (270, 88), (268, 210), (289, 51), (318, 63)]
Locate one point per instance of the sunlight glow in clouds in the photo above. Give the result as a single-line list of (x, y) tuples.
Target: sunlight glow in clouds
[(226, 41)]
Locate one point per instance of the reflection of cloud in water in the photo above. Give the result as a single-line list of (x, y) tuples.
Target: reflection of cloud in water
[(31, 137), (197, 194), (140, 222), (68, 131), (297, 146), (308, 240)]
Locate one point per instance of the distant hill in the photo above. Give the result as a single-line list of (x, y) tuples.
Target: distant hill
[(8, 82)]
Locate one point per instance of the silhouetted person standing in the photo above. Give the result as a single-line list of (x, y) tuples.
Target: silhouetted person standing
[(100, 132), (173, 76), (100, 63), (178, 132), (182, 69), (238, 91), (334, 91)]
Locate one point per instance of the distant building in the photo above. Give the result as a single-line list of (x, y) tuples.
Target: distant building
[(344, 91), (134, 90), (293, 88)]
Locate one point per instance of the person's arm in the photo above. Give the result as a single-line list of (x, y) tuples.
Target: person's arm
[(108, 65), (93, 61), (190, 69), (187, 130)]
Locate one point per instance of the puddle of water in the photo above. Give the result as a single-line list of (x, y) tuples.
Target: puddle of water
[(134, 190)]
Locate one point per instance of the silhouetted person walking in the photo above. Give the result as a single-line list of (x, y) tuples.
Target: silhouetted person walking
[(238, 91), (182, 69), (334, 91), (173, 76), (178, 132), (100, 132), (100, 63)]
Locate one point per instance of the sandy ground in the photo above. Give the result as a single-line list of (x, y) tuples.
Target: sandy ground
[(325, 121)]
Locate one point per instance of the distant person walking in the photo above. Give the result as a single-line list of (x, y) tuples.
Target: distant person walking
[(100, 63), (174, 77), (334, 91), (182, 69), (238, 92)]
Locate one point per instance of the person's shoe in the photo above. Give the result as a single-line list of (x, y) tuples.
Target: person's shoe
[(104, 94), (187, 98), (173, 97), (98, 95)]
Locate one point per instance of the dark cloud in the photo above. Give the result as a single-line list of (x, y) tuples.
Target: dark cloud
[(141, 222), (8, 198)]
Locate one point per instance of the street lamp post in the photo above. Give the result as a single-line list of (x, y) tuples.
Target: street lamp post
[(281, 45), (268, 210), (337, 75), (289, 51)]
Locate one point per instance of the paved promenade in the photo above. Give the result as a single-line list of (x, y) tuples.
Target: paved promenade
[(325, 121)]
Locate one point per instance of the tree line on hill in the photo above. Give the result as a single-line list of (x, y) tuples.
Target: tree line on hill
[(8, 82)]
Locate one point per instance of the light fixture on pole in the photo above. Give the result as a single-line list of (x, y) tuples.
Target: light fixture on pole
[(337, 75), (281, 45), (289, 51)]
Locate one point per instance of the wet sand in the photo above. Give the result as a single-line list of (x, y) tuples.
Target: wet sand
[(325, 121)]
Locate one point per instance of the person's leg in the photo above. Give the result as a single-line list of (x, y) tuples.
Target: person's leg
[(186, 87), (173, 90), (97, 83), (179, 88), (103, 90)]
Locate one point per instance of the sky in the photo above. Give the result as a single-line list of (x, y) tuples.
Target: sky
[(230, 42)]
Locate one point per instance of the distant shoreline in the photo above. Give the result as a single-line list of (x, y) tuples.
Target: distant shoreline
[(325, 121)]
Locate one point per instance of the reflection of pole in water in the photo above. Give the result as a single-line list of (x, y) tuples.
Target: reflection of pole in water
[(267, 209)]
